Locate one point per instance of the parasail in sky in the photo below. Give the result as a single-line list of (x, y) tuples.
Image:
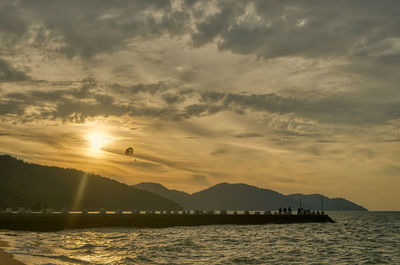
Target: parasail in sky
[(129, 151)]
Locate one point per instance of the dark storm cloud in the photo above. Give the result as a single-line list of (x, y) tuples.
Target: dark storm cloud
[(172, 98), (94, 26), (11, 107), (88, 101), (197, 110), (10, 74), (238, 102), (301, 28), (64, 104), (12, 25), (347, 109), (84, 102), (212, 26), (268, 29)]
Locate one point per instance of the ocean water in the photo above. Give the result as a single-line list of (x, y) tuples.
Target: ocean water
[(355, 238)]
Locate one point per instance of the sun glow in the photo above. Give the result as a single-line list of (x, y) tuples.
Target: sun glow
[(97, 140)]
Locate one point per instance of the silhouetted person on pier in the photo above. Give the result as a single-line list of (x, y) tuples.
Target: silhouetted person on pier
[(289, 210), (300, 211), (280, 210)]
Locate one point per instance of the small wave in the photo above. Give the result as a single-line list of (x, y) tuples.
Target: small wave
[(117, 248), (116, 236), (82, 247), (57, 257), (244, 260), (70, 259), (129, 260), (10, 234)]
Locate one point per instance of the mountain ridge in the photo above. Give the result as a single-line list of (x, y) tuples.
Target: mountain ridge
[(241, 196)]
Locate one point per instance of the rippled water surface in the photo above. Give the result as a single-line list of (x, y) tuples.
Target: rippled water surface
[(355, 238)]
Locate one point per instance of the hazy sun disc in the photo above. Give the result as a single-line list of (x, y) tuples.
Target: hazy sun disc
[(97, 140)]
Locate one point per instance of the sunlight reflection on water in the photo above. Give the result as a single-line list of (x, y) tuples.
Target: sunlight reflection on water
[(356, 237)]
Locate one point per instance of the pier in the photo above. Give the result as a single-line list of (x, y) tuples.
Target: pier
[(48, 220)]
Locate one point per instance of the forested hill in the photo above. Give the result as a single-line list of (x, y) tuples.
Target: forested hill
[(35, 186)]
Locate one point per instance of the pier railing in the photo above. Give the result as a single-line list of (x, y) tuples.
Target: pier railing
[(49, 211)]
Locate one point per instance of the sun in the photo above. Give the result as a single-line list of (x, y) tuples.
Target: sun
[(97, 140)]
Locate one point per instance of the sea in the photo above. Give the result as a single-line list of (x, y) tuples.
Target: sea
[(354, 238)]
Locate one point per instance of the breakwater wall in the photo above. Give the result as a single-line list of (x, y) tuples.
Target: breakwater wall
[(61, 221)]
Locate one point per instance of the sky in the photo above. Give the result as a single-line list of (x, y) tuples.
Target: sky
[(295, 96)]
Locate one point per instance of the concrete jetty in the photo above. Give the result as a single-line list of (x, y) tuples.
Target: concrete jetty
[(55, 221)]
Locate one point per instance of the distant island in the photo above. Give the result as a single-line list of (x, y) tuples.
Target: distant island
[(247, 197), (37, 187)]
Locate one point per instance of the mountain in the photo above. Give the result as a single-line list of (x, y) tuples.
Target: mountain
[(224, 196), (330, 204), (240, 197), (246, 197), (35, 186), (178, 196)]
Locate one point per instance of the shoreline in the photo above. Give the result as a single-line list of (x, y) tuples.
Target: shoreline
[(7, 258)]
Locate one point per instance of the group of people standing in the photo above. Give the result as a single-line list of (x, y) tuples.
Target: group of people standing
[(285, 211), (300, 211)]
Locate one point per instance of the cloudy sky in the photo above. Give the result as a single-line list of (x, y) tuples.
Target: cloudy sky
[(295, 96)]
